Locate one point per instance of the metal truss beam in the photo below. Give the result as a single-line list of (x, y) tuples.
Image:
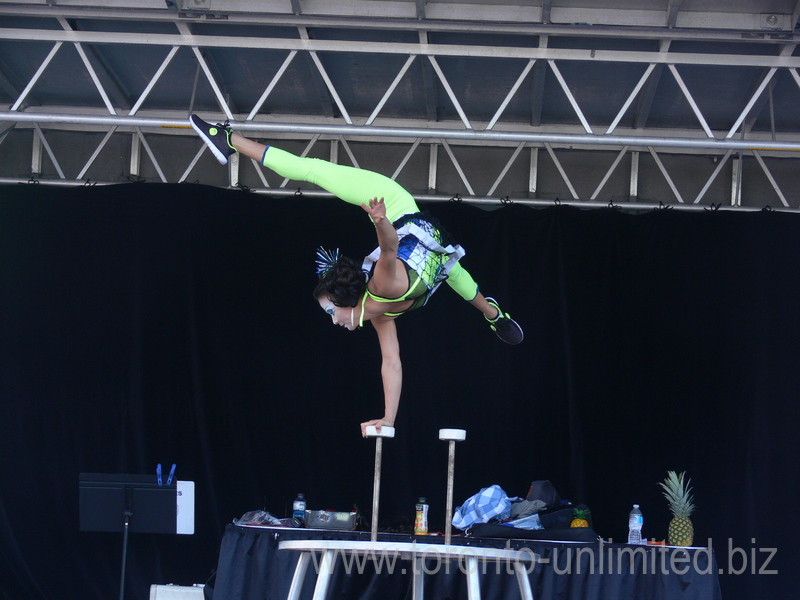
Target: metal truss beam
[(546, 20), (136, 126), (428, 49), (467, 135)]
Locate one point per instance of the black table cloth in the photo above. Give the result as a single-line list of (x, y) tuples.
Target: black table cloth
[(251, 567)]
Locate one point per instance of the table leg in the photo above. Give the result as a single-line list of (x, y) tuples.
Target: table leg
[(523, 581), (417, 581), (473, 582), (299, 576), (324, 575)]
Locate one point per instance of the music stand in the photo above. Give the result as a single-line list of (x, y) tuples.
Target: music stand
[(134, 503)]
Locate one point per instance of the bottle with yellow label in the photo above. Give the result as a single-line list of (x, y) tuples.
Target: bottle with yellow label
[(421, 521)]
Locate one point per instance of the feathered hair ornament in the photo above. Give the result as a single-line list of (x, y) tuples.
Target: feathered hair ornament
[(326, 259)]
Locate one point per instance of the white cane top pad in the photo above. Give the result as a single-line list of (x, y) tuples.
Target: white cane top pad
[(385, 431), (458, 435)]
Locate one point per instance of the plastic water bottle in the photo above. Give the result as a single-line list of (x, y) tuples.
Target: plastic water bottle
[(635, 522), (299, 511), (421, 520)]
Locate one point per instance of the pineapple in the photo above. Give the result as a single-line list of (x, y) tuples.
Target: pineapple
[(678, 494), (579, 519)]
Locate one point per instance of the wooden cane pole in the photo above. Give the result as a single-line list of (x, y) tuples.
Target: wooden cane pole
[(372, 432), (452, 436)]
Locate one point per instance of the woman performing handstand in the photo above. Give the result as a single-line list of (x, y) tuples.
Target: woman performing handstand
[(413, 256)]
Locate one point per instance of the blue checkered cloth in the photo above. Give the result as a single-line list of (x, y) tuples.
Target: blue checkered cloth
[(490, 504)]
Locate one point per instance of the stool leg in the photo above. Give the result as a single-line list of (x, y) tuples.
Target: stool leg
[(376, 488)]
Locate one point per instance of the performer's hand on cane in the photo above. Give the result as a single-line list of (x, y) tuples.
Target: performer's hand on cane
[(378, 423)]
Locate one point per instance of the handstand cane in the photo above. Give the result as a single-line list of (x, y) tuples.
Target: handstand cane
[(387, 432), (452, 436)]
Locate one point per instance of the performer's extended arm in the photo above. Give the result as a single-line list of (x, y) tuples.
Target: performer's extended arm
[(389, 278)]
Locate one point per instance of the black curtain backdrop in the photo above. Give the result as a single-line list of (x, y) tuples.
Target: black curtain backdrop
[(147, 323)]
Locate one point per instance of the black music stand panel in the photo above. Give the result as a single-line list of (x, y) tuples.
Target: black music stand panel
[(105, 499)]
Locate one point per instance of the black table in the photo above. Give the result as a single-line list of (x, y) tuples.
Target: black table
[(251, 567)]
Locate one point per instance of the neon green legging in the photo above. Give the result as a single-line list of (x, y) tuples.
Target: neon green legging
[(358, 186)]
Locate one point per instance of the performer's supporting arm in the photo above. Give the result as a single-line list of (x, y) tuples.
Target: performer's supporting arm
[(391, 371)]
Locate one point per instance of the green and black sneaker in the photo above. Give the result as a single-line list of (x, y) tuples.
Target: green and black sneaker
[(506, 328), (217, 137)]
